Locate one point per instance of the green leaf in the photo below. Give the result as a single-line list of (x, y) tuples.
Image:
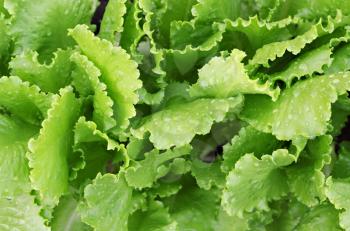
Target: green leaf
[(321, 217), (48, 153), (226, 222), (96, 149), (201, 205), (113, 20), (341, 60), (310, 9), (31, 33), (242, 144), (262, 179), (169, 29), (191, 45), (337, 191), (14, 171), (86, 131), (110, 198), (306, 64), (296, 216), (192, 36), (132, 32), (291, 213), (49, 77), (156, 217), (274, 50), (142, 174), (340, 81), (86, 76), (210, 10), (20, 213), (119, 73), (308, 171), (207, 175), (66, 216), (163, 188), (225, 77), (5, 44), (253, 33), (187, 120), (341, 168), (340, 113), (22, 100), (170, 11), (301, 111)]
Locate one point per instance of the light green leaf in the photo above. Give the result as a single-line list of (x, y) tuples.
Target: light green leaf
[(210, 10), (14, 171), (156, 217), (255, 182), (49, 152), (337, 191), (144, 173), (119, 73), (341, 60), (96, 149), (340, 81), (110, 198), (307, 64), (301, 111), (169, 29), (274, 50), (242, 144), (49, 77), (113, 20), (163, 188), (207, 175), (186, 120), (170, 11), (132, 32), (310, 9), (179, 166), (186, 36), (137, 147), (308, 171), (66, 216), (20, 213), (32, 33), (226, 222), (253, 33), (86, 131), (225, 77), (86, 76), (191, 201), (321, 217), (191, 45), (289, 216), (22, 100), (296, 216)]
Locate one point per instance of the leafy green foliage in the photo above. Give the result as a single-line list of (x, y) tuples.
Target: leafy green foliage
[(181, 115), (188, 119), (42, 33), (65, 110), (121, 84)]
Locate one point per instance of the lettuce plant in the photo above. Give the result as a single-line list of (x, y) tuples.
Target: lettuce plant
[(181, 115)]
